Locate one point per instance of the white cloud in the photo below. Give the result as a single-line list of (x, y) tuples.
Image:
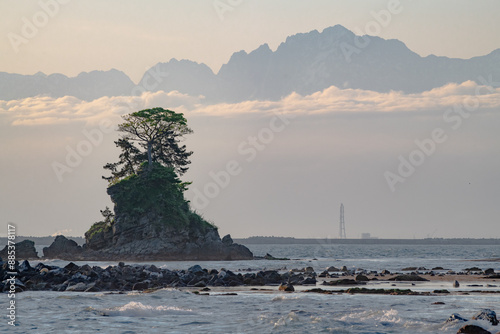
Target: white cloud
[(44, 110), (62, 232)]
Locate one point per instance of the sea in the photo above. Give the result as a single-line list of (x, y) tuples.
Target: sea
[(267, 310)]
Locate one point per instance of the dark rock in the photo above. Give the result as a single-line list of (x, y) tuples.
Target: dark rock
[(345, 281), (385, 272), (362, 278), (270, 257), (473, 269), (24, 250), (25, 266), (152, 221), (200, 284), (441, 291), (472, 329), (408, 278), (455, 317), (384, 291), (63, 248), (195, 269), (286, 287), (72, 267), (489, 271), (309, 281), (486, 314), (409, 269), (227, 240), (140, 286)]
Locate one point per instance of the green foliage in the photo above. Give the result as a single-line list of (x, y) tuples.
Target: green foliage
[(103, 225), (144, 182), (98, 227), (158, 133), (158, 192)]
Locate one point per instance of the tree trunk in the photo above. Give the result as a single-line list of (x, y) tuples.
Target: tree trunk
[(150, 158)]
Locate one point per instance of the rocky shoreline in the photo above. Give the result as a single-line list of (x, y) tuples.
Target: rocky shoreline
[(140, 277)]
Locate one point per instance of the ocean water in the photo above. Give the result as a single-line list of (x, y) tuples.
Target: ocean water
[(180, 311)]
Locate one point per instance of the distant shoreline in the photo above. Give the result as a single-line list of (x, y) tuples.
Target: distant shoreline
[(307, 241), (327, 241)]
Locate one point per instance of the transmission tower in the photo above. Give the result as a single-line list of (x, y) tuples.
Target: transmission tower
[(342, 223)]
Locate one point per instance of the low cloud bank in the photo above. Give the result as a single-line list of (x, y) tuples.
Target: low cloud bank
[(43, 110)]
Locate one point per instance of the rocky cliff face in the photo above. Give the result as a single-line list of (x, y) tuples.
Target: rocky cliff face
[(153, 222)]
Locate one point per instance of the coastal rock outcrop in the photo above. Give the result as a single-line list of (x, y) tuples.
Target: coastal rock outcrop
[(24, 250), (152, 221), (63, 248)]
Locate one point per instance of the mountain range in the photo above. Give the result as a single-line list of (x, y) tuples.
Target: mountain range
[(305, 63)]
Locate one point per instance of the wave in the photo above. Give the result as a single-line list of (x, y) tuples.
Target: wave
[(137, 309)]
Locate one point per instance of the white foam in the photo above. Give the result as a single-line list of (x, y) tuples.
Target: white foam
[(136, 309)]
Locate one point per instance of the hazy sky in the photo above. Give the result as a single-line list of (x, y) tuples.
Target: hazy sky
[(334, 146), (134, 35)]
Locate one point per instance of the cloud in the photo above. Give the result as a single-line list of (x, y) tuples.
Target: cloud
[(43, 110), (61, 232)]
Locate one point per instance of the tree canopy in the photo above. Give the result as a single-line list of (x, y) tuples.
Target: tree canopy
[(152, 136)]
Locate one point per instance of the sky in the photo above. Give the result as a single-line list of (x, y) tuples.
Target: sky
[(132, 36), (297, 159)]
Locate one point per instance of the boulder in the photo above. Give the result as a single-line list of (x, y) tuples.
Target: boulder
[(24, 250), (472, 329), (62, 248), (362, 278), (408, 278), (486, 314), (455, 317)]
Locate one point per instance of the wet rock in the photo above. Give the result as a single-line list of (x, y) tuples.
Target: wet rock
[(196, 269), (408, 278), (140, 286), (472, 329), (455, 317), (361, 278), (329, 269), (489, 271), (409, 269), (308, 270), (286, 287), (345, 281), (309, 281), (486, 314)]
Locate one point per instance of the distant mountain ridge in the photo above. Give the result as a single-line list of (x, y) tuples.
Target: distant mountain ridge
[(86, 86), (305, 63)]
